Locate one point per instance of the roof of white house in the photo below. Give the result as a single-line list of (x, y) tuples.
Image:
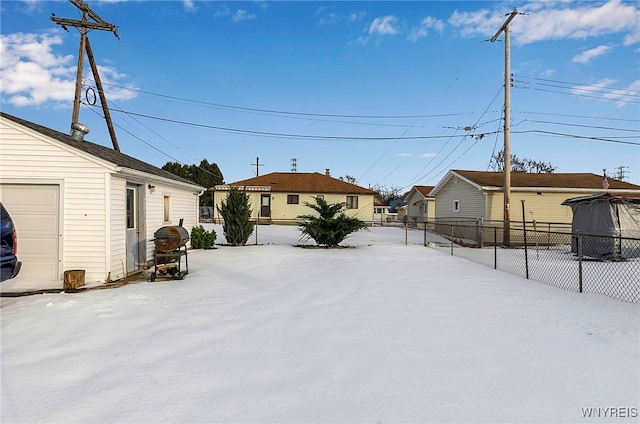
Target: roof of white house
[(423, 190), (110, 155)]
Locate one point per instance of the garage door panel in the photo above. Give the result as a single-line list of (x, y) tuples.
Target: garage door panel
[(38, 269), (36, 224), (35, 210), (24, 197)]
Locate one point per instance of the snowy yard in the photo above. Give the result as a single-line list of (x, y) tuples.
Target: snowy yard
[(280, 334)]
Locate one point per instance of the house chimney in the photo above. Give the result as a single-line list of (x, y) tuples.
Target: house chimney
[(78, 131), (327, 173)]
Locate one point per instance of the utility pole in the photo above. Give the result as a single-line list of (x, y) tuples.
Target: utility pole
[(84, 25), (506, 238), (257, 164), (622, 172)]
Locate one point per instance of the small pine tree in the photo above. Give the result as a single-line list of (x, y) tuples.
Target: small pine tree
[(331, 226), (236, 213), (202, 239)]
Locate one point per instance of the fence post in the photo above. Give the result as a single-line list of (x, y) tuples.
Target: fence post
[(425, 233), (406, 233), (451, 242), (495, 247), (524, 232), (256, 228), (580, 263)]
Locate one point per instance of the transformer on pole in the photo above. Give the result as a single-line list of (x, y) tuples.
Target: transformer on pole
[(84, 25)]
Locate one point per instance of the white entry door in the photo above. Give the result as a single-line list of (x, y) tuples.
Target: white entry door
[(135, 239)]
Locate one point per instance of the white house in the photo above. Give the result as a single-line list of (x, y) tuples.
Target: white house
[(79, 205), (420, 205)]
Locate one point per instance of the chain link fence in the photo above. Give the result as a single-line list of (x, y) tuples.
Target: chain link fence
[(609, 265)]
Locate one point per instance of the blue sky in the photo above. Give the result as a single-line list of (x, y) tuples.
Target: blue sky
[(392, 93)]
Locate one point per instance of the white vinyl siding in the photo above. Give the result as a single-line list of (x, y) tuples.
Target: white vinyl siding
[(184, 205), (92, 223), (471, 201), (28, 158), (118, 223)]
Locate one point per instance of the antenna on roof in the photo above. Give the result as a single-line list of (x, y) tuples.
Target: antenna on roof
[(84, 24), (294, 165)]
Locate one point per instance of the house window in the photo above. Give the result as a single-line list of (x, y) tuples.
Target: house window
[(456, 206), (167, 208), (293, 199), (352, 202)]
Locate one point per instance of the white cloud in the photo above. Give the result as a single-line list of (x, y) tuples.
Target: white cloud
[(384, 25), (586, 56), (222, 10), (330, 17), (242, 15), (553, 20), (428, 155), (32, 74), (360, 41), (422, 30), (188, 5)]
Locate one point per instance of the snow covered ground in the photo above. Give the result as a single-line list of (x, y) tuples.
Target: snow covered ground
[(281, 334)]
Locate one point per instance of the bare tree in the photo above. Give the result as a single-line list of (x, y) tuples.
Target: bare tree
[(523, 165), (387, 194)]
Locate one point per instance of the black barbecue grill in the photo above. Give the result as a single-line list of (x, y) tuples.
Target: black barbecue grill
[(170, 247)]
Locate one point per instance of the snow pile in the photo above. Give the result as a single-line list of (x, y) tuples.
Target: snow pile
[(280, 334)]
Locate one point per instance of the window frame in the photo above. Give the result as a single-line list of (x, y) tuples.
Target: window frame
[(457, 206), (166, 208), (349, 204), (293, 199)]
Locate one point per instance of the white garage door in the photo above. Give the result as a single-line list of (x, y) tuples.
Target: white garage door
[(35, 210)]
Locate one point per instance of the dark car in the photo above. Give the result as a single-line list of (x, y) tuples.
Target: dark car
[(10, 263)]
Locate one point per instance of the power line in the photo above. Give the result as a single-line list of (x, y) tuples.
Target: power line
[(582, 126), (274, 134), (609, 140), (281, 112), (578, 116), (577, 83)]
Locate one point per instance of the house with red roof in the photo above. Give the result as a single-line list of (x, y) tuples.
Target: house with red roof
[(421, 206), (280, 197)]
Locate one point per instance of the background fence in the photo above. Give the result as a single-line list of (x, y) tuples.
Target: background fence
[(547, 252), (608, 265)]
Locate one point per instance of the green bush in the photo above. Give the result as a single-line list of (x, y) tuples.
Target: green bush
[(201, 238), (331, 226)]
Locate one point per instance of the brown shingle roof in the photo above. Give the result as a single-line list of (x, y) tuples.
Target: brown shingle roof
[(424, 190), (99, 151), (299, 182), (555, 180)]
